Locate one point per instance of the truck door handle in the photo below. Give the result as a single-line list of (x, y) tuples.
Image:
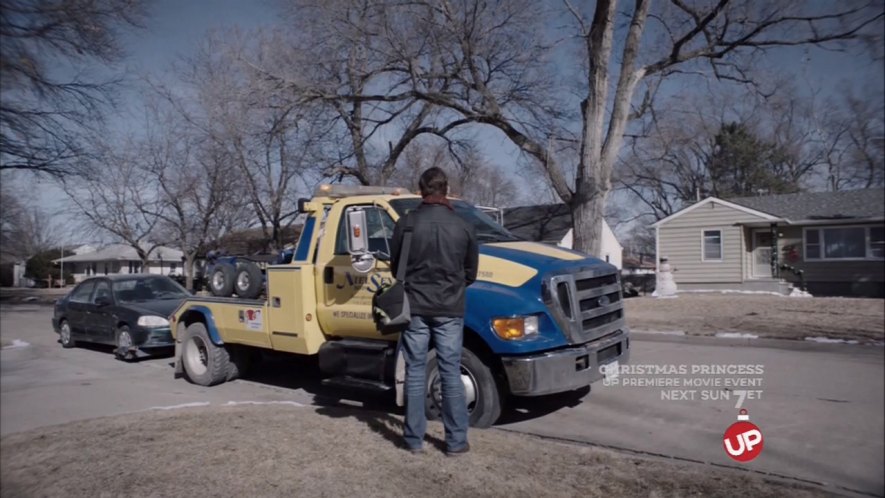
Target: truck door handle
[(329, 274)]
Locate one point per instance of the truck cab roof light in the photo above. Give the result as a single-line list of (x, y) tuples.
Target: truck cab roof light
[(338, 191)]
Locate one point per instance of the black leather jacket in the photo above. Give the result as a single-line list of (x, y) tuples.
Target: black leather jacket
[(443, 260)]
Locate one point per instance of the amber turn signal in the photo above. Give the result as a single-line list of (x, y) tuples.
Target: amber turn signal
[(509, 328)]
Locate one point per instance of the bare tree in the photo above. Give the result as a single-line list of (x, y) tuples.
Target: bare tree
[(359, 60), (116, 196), (491, 58), (676, 159), (25, 229), (197, 199), (271, 142), (49, 101), (856, 157), (471, 177)]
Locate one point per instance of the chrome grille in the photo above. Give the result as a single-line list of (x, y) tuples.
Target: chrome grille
[(588, 304)]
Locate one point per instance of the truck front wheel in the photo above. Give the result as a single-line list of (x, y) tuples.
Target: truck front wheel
[(204, 363), (480, 389)]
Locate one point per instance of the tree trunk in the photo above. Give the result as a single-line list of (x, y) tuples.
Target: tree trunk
[(588, 216), (189, 270)]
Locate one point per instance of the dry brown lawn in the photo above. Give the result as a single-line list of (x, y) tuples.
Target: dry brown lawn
[(291, 451), (862, 320)]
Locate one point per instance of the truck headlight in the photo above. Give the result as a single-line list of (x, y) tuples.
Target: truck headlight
[(515, 327), (152, 321)]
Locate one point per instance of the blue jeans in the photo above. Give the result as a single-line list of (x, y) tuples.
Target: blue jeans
[(448, 336)]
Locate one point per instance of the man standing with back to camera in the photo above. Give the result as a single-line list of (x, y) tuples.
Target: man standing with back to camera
[(442, 262)]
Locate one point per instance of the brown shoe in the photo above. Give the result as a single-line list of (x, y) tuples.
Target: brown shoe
[(458, 452)]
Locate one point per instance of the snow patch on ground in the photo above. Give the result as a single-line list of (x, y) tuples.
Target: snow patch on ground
[(661, 332), (827, 340), (290, 403), (736, 335), (726, 291), (655, 294), (183, 405), (794, 293), (17, 344)]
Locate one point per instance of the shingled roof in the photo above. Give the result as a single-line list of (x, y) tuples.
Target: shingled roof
[(547, 223), (544, 223), (124, 252), (849, 204)]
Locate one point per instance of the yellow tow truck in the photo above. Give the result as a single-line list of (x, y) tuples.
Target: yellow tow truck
[(539, 319)]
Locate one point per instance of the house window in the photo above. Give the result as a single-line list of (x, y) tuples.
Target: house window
[(834, 243), (877, 242), (712, 248)]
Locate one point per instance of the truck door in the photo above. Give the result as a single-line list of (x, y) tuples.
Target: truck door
[(344, 295)]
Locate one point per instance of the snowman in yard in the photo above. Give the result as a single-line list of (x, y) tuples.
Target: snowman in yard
[(665, 286)]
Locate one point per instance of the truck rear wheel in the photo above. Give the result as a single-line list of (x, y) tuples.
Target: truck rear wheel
[(480, 389), (249, 280), (204, 363), (221, 281)]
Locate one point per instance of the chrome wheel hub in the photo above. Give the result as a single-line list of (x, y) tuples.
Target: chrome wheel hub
[(197, 356), (470, 388), (243, 280), (125, 341)]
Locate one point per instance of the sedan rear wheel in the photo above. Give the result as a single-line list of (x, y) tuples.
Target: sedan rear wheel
[(67, 341)]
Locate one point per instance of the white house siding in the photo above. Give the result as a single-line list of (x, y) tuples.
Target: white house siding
[(82, 270), (681, 240), (612, 251)]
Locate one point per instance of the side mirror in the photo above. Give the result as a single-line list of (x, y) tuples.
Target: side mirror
[(102, 301), (302, 205), (357, 238)]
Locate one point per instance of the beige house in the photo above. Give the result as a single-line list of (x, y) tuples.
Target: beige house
[(831, 242)]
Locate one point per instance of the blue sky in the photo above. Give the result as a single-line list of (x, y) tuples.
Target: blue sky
[(175, 27)]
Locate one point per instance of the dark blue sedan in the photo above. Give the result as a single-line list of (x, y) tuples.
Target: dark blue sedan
[(129, 312)]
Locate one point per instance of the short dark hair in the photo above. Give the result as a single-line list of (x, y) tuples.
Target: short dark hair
[(433, 182)]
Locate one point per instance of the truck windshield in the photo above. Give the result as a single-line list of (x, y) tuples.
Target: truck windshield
[(487, 230)]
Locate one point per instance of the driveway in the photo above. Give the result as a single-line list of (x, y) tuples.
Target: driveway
[(820, 407)]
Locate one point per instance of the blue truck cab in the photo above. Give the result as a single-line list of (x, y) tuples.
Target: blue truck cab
[(539, 319)]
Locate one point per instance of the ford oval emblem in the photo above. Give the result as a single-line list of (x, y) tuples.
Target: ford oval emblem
[(603, 301)]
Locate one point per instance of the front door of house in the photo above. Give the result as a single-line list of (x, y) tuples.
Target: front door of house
[(762, 253)]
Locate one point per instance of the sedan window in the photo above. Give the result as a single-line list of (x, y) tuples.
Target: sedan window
[(82, 292), (102, 291), (147, 289)]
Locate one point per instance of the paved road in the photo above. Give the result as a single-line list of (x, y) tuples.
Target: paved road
[(821, 407)]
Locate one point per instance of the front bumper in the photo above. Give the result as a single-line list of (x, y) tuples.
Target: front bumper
[(565, 369), (146, 338)]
